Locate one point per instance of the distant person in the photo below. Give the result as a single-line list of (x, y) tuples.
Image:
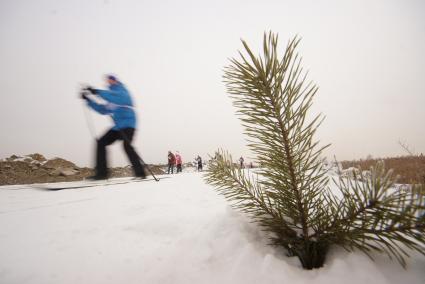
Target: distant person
[(178, 162), (171, 162), (199, 160), (241, 160), (119, 106)]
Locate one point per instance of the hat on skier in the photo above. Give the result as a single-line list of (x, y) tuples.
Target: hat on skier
[(111, 77)]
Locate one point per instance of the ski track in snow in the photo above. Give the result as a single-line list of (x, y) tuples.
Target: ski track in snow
[(178, 230), (50, 205)]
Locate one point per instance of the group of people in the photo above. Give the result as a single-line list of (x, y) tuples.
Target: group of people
[(174, 161)]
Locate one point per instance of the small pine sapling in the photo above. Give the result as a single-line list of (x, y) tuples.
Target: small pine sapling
[(290, 196)]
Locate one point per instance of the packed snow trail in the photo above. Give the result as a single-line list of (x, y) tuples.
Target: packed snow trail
[(178, 230)]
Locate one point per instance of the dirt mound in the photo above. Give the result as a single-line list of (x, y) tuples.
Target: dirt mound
[(59, 163), (157, 170), (37, 157), (35, 168), (128, 171)]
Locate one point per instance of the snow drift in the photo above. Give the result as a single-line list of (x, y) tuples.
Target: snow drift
[(178, 230)]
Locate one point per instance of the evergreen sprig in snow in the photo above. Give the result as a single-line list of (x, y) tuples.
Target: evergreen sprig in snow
[(291, 196)]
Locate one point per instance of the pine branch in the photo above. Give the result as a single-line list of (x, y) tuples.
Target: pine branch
[(291, 197), (373, 211), (245, 193), (272, 104)]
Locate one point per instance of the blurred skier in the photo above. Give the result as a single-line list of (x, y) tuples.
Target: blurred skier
[(119, 106), (171, 162), (178, 162)]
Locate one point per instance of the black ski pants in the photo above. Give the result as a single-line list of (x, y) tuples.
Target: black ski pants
[(110, 137)]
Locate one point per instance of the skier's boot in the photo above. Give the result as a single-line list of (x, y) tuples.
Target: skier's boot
[(141, 174)]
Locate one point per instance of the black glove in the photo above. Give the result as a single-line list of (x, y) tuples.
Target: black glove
[(91, 90), (84, 96)]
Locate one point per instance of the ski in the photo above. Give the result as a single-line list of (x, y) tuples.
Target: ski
[(94, 184)]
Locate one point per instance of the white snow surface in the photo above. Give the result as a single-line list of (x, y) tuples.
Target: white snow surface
[(178, 230)]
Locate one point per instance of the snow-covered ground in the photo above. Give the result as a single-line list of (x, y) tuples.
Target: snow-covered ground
[(178, 230)]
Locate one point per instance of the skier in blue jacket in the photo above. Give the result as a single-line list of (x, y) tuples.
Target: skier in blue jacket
[(120, 107)]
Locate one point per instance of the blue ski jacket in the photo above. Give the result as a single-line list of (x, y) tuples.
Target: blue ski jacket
[(119, 105)]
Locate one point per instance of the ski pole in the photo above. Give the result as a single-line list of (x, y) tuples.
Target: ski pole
[(89, 119), (89, 123)]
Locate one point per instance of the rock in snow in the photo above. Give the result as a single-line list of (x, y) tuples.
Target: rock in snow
[(178, 230)]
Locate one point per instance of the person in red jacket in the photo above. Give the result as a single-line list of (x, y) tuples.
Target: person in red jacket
[(178, 162), (171, 162)]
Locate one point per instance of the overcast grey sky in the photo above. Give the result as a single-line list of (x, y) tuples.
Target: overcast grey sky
[(367, 57)]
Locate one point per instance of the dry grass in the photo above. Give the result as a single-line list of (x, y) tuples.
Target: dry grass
[(411, 169)]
